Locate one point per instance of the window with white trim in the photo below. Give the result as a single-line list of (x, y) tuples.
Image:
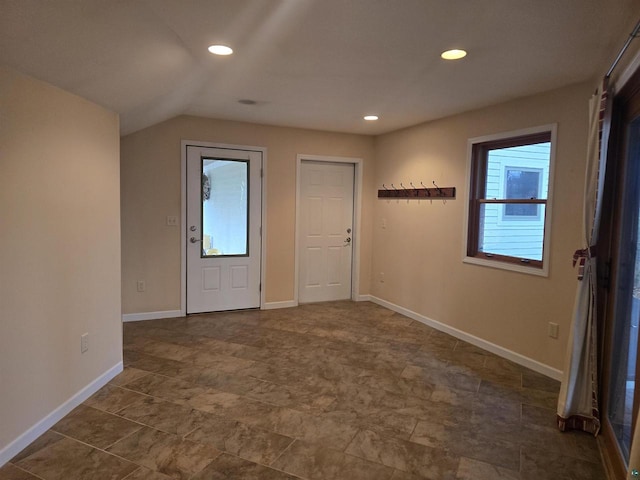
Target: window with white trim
[(509, 200)]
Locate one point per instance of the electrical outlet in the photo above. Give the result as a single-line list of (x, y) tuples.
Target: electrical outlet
[(553, 330), (141, 285), (84, 342), (172, 221)]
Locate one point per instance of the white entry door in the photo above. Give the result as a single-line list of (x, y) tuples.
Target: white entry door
[(325, 231), (224, 202)]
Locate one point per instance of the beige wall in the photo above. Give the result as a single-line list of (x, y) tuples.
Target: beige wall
[(59, 249), (421, 249), (150, 163)]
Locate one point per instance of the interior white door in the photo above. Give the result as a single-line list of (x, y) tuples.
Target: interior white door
[(325, 231), (224, 203)]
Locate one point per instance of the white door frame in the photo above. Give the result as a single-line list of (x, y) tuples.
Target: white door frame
[(357, 209), (183, 215)]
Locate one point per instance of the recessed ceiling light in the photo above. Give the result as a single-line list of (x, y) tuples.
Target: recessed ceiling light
[(454, 54), (371, 118), (220, 50)]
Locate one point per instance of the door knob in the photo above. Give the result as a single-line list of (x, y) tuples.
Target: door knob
[(347, 241), (193, 228)]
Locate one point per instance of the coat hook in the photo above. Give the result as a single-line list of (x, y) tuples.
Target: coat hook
[(412, 185), (384, 186), (393, 186), (440, 192), (426, 188), (403, 186)]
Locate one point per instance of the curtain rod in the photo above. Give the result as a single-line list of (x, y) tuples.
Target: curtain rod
[(632, 35)]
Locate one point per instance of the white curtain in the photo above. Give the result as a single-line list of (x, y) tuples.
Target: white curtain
[(578, 401)]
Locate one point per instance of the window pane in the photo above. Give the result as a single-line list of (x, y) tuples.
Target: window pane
[(224, 207), (524, 158), (509, 238), (522, 183)]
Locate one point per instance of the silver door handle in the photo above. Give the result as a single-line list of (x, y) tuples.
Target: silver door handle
[(194, 240)]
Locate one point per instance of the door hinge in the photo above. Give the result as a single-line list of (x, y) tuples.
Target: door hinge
[(260, 288), (261, 173)]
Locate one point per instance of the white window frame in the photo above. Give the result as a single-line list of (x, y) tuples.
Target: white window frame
[(546, 251)]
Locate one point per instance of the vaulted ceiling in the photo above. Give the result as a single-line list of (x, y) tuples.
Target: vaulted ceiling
[(319, 64)]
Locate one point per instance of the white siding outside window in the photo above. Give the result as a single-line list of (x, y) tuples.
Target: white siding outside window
[(515, 235)]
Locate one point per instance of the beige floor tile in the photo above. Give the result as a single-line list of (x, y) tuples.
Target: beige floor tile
[(47, 438), (400, 475), (127, 375), (143, 473), (250, 443), (319, 429), (403, 455), (95, 427), (536, 381), (11, 472), (166, 388), (111, 398), (290, 396), (163, 415), (447, 377), (545, 417), (545, 464), (162, 349), (68, 459), (315, 462), (165, 453), (227, 467), (217, 362), (470, 469), (239, 384)]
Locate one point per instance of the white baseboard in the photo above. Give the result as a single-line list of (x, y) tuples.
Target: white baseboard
[(363, 298), (136, 317), (472, 339), (274, 305), (24, 440)]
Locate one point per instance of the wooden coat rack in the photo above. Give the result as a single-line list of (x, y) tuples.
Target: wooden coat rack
[(413, 192)]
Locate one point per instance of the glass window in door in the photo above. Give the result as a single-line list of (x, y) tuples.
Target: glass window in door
[(627, 301), (225, 207)]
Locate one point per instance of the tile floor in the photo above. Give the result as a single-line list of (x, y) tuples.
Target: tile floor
[(328, 391)]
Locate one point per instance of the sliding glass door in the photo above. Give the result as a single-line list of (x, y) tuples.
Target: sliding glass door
[(619, 259), (626, 305)]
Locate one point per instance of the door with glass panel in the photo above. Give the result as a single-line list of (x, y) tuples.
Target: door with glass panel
[(224, 203), (627, 303), (622, 316)]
